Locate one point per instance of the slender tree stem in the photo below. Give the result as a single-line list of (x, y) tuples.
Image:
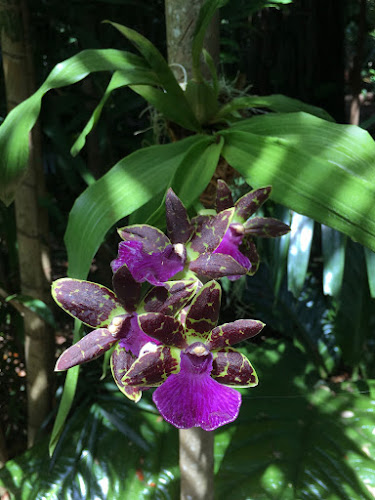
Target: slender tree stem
[(196, 464)]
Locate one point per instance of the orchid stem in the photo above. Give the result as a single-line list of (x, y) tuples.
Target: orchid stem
[(196, 464)]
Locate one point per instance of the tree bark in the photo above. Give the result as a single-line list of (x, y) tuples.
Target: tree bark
[(196, 464), (356, 77), (31, 220), (180, 18)]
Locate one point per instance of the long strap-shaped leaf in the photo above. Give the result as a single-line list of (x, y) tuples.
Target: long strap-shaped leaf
[(131, 183), (14, 132), (174, 100), (320, 169)]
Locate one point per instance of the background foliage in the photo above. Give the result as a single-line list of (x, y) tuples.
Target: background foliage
[(307, 430)]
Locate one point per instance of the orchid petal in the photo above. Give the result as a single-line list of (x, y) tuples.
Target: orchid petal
[(249, 249), (156, 268), (121, 361), (224, 198), (230, 367), (265, 227), (191, 398), (93, 304), (250, 202), (216, 266), (152, 239), (132, 337), (170, 298), (151, 369), (232, 333), (164, 328), (210, 230), (126, 288), (91, 346), (203, 313), (230, 243), (178, 223)]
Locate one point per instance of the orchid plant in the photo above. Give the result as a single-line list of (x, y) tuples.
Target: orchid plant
[(169, 338)]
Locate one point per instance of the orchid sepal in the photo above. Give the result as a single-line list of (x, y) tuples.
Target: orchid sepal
[(232, 368)]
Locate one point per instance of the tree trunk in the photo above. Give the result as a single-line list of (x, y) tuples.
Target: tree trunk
[(31, 220), (180, 18), (356, 77), (196, 445)]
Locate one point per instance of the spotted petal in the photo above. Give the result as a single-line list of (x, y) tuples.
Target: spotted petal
[(170, 298), (230, 367), (210, 230), (151, 369), (250, 202), (121, 361), (152, 239), (217, 265), (126, 288), (224, 198), (229, 245), (203, 313), (232, 333), (265, 227), (249, 249), (164, 328), (93, 304), (190, 399), (178, 223), (91, 346)]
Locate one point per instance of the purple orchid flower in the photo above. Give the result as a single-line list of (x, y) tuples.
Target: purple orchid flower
[(114, 317), (195, 365), (208, 246)]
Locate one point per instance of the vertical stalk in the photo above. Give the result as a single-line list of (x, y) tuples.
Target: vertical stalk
[(196, 464), (31, 220)]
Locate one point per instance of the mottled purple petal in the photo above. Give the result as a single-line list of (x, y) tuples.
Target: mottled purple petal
[(170, 298), (178, 223), (210, 230), (132, 337), (121, 361), (91, 346), (250, 202), (231, 333), (191, 398), (265, 227), (224, 198), (156, 268), (204, 311), (151, 369), (152, 239), (230, 367), (230, 245), (249, 249), (93, 304), (217, 265), (126, 288), (166, 329)]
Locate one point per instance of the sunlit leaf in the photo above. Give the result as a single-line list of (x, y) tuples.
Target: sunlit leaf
[(300, 242), (14, 132), (319, 169), (333, 247)]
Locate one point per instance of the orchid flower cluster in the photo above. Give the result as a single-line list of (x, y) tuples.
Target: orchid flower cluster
[(168, 338)]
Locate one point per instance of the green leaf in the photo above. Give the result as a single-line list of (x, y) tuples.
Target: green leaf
[(316, 168), (69, 391), (302, 231), (353, 327), (370, 264), (119, 79), (333, 247), (306, 441), (204, 18), (173, 94), (131, 183), (14, 132), (173, 107), (276, 102), (211, 66), (196, 170)]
